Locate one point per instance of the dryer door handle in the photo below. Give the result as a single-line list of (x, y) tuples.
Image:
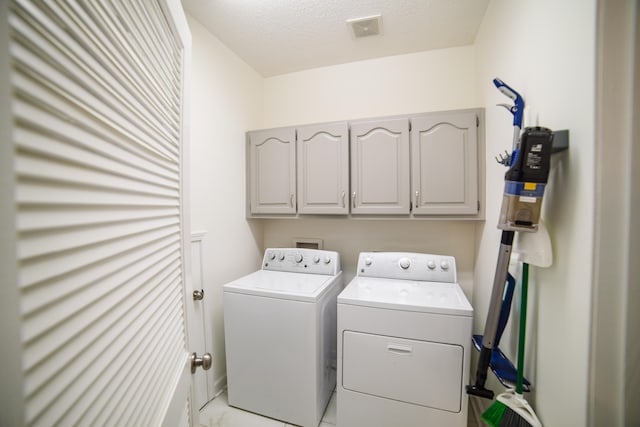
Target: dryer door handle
[(399, 348)]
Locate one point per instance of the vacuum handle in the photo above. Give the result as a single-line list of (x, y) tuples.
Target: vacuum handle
[(518, 108)]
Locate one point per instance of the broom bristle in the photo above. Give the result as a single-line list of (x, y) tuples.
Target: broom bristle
[(512, 419), (494, 413)]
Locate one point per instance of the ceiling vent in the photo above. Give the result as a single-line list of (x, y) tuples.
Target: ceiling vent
[(367, 26)]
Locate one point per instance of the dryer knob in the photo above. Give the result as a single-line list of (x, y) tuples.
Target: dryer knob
[(281, 257), (368, 261), (327, 259), (431, 265), (298, 258), (404, 263), (316, 259), (444, 264), (271, 256)]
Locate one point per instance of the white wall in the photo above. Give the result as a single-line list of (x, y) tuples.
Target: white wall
[(546, 50), (226, 100), (350, 237), (414, 83), (615, 356), (420, 82)]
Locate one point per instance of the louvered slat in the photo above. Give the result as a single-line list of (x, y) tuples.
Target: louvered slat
[(80, 284), (95, 84), (98, 399), (121, 380), (97, 125), (148, 42), (86, 369), (59, 124)]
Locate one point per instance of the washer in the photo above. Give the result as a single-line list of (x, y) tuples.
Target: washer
[(280, 333), (404, 335)]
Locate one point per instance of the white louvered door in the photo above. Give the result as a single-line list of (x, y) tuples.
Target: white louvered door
[(95, 130)]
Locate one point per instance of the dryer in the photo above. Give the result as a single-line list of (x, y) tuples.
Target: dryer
[(404, 339), (280, 335)]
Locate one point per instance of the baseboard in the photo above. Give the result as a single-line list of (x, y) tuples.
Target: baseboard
[(475, 412), (219, 386)]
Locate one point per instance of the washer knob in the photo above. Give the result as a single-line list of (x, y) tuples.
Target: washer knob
[(368, 261), (404, 263), (271, 256), (444, 264), (298, 258), (316, 259), (327, 259), (281, 257), (431, 265)]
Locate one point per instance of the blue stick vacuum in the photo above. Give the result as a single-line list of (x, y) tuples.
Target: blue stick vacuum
[(529, 164)]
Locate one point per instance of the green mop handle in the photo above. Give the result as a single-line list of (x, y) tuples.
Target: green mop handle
[(523, 327)]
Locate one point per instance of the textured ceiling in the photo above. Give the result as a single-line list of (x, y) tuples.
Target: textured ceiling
[(282, 36)]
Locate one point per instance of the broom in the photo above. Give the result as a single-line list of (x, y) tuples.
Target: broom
[(511, 409)]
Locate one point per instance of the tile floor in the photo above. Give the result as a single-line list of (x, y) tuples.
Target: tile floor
[(218, 413)]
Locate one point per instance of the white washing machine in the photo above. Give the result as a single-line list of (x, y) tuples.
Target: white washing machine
[(404, 339), (280, 334)]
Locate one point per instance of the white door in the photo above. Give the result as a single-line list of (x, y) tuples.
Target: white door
[(95, 243)]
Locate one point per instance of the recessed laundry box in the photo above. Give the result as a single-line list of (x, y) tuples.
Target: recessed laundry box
[(404, 338), (280, 333)]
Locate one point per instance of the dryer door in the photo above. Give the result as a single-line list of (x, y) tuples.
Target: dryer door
[(418, 372)]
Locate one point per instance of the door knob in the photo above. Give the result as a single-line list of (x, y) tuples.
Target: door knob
[(204, 361), (198, 294)]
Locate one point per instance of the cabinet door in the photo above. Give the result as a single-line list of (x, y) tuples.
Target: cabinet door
[(444, 164), (272, 170), (323, 168), (380, 167)]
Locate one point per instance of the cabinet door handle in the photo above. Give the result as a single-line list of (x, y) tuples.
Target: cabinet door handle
[(291, 200), (343, 194), (417, 198), (353, 200)]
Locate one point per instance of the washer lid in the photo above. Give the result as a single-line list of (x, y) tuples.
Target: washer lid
[(407, 295), (276, 284)]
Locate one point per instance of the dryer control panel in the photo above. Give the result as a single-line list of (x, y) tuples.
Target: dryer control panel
[(299, 260), (408, 266)]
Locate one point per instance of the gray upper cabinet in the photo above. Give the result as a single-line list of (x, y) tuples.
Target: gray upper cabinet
[(272, 171), (417, 166), (323, 169), (380, 167), (444, 163)]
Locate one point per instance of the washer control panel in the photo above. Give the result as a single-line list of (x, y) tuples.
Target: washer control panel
[(408, 266), (298, 260)]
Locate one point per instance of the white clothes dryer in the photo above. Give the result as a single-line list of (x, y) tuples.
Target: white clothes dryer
[(404, 339), (280, 334)]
